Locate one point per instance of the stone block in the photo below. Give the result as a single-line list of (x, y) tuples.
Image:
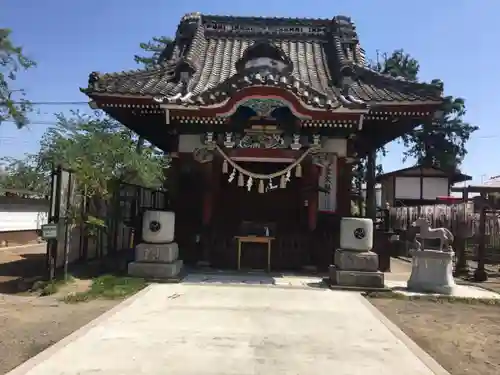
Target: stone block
[(158, 226), (349, 260), (155, 270), (432, 272), (360, 279), (356, 233), (157, 253)]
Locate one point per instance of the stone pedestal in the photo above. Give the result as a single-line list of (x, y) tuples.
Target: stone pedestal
[(432, 272), (350, 260), (158, 261), (155, 270), (157, 253), (356, 269)]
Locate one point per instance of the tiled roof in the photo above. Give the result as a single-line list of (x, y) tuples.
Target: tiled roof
[(324, 64)]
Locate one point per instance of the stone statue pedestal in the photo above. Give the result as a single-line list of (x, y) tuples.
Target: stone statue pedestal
[(432, 272), (157, 261), (356, 269)]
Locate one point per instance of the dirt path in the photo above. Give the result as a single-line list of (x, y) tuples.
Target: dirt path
[(28, 325), (463, 338), (19, 266)]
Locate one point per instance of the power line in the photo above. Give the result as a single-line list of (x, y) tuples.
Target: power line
[(49, 103), (34, 122)]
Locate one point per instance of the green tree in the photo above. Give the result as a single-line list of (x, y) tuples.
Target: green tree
[(442, 143), (155, 51), (97, 148), (13, 105), (25, 175)]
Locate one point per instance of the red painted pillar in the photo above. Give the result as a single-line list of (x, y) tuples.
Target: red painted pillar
[(312, 208), (208, 195)]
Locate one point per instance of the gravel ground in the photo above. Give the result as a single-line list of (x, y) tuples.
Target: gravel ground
[(29, 325), (463, 338)]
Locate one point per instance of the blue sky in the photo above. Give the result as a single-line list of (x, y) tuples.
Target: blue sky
[(455, 41)]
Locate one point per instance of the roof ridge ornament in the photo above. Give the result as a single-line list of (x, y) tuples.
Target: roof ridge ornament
[(265, 55), (93, 83), (192, 16)]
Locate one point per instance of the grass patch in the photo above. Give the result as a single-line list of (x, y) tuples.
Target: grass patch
[(108, 287), (433, 298), (47, 288)]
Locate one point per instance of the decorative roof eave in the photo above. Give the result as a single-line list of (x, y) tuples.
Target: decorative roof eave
[(289, 99), (431, 90), (351, 124), (396, 106), (308, 95), (97, 81), (131, 100), (378, 111)]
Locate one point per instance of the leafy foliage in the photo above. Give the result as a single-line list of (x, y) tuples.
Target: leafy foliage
[(25, 174), (12, 60), (100, 149), (442, 143), (97, 148), (156, 50)]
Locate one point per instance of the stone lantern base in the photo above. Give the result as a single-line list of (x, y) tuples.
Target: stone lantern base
[(356, 269), (432, 272)]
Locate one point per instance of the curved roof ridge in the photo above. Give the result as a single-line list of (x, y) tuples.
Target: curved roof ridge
[(326, 57), (368, 72)]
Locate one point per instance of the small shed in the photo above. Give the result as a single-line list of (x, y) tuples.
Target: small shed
[(418, 185)]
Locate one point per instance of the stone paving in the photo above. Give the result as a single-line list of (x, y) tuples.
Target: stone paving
[(219, 329), (283, 280)]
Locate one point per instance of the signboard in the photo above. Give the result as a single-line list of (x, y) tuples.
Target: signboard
[(49, 231)]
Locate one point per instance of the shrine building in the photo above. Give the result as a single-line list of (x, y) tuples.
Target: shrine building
[(264, 119)]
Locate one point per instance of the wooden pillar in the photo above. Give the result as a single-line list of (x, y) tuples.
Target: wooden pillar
[(480, 272), (208, 193), (206, 213), (172, 175), (461, 267), (312, 208), (344, 175), (371, 203), (171, 183)]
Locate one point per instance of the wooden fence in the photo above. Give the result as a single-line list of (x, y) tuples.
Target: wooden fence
[(86, 242), (123, 212), (460, 219)]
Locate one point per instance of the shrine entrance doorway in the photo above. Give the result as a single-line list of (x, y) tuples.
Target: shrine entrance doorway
[(281, 206), (240, 211)]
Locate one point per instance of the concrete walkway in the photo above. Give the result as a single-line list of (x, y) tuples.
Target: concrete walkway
[(188, 329)]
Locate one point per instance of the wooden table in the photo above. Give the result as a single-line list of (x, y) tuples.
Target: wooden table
[(255, 239)]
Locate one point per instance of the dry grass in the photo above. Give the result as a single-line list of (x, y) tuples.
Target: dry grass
[(107, 287)]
